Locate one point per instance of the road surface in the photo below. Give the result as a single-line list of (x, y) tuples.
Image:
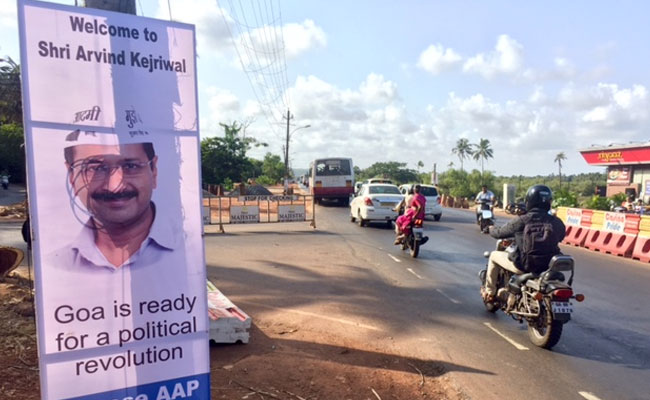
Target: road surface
[(352, 283)]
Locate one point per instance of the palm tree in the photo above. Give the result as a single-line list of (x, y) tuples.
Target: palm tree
[(450, 165), (558, 159), (482, 151), (463, 150)]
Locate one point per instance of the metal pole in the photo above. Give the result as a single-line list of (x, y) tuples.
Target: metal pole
[(286, 155), (123, 6)]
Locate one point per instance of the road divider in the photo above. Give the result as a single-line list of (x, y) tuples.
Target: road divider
[(620, 234)]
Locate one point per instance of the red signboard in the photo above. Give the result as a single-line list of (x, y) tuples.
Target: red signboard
[(621, 156), (618, 175)]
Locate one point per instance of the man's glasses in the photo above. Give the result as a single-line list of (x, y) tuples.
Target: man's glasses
[(97, 170)]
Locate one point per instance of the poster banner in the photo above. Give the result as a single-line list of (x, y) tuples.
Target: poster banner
[(244, 214), (291, 213), (112, 143), (614, 222), (573, 216), (618, 175)]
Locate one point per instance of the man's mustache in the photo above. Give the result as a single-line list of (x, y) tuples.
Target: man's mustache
[(109, 196)]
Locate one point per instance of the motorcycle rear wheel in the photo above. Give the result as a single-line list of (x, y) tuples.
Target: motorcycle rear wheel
[(545, 332), (415, 248)]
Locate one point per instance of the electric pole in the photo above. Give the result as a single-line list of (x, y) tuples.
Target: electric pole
[(286, 153), (123, 6)]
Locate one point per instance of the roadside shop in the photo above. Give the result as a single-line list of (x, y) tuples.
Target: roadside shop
[(628, 167)]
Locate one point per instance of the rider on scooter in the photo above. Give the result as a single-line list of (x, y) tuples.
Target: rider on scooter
[(484, 194), (411, 213), (538, 203)]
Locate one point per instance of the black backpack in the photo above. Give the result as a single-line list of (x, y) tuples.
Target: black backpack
[(539, 243)]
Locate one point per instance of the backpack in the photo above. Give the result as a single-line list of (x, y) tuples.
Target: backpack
[(539, 243)]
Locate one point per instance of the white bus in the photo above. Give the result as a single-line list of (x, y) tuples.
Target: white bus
[(331, 178)]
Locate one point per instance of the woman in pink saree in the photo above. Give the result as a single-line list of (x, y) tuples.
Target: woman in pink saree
[(412, 212)]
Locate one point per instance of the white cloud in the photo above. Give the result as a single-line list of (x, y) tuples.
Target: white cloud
[(300, 38), (8, 14), (212, 32), (505, 59), (436, 59)]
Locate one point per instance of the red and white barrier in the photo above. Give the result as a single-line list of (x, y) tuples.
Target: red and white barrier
[(578, 223)]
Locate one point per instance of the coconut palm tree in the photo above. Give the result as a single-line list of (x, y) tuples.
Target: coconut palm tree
[(558, 159), (482, 151), (463, 150)]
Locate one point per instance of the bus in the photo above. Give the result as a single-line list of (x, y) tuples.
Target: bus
[(331, 178)]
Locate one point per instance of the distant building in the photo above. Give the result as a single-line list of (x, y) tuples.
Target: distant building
[(628, 167)]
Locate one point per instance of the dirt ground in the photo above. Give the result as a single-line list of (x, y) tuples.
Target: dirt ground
[(279, 362)]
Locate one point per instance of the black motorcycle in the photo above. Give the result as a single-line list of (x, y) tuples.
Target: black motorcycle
[(415, 238), (542, 300)]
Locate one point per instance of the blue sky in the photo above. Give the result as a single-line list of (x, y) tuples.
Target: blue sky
[(403, 81)]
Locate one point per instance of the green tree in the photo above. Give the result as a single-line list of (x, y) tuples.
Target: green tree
[(11, 106), (273, 168), (558, 159), (463, 150), (224, 157), (455, 182), (12, 152), (482, 152), (395, 171)]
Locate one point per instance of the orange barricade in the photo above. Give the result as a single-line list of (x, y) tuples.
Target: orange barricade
[(641, 250), (577, 234), (617, 236)]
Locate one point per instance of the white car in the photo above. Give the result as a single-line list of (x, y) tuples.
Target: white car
[(430, 192), (375, 203)]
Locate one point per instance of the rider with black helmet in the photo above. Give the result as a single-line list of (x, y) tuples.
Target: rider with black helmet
[(538, 204)]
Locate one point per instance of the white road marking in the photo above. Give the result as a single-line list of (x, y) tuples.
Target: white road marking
[(588, 396), (310, 314), (414, 273), (395, 258), (448, 298), (512, 342)]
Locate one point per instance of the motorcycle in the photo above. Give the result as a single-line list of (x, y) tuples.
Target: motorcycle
[(542, 300), (516, 208), (415, 238), (484, 215)]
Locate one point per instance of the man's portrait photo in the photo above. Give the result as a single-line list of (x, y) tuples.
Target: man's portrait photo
[(112, 184)]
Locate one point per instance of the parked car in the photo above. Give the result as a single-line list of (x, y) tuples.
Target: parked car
[(375, 203), (430, 192)]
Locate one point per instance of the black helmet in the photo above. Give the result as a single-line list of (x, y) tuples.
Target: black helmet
[(416, 188), (539, 196)]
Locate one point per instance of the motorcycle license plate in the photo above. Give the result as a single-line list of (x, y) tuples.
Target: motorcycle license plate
[(561, 307)]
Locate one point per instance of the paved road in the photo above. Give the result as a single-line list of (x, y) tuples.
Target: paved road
[(351, 284), (604, 352)]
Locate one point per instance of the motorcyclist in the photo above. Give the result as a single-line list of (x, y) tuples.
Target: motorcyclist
[(538, 204), (484, 194), (411, 213)]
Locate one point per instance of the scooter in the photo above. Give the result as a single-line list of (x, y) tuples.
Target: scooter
[(485, 217)]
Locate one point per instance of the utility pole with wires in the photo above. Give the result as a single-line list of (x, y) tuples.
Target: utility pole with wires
[(289, 117)]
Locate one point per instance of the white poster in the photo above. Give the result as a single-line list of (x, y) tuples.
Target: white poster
[(291, 213), (244, 214), (112, 140)]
